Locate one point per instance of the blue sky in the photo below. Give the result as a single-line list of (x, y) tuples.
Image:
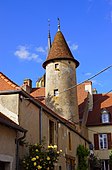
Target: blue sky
[(86, 25)]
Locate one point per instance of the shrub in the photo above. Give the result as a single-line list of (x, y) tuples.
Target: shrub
[(40, 157)]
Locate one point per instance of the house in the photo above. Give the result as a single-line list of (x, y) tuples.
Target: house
[(50, 111), (10, 136), (98, 120), (41, 121)]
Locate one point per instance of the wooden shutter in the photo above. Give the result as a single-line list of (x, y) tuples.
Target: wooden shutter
[(96, 142), (109, 140)]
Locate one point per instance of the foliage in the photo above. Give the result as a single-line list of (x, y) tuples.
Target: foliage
[(110, 158), (40, 157), (95, 162), (83, 154)]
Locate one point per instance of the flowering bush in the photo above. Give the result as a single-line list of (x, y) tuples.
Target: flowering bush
[(41, 158)]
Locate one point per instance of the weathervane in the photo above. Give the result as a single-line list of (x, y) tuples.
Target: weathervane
[(49, 26), (49, 36), (58, 24)]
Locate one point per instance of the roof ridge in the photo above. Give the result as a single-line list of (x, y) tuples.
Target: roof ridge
[(8, 80)]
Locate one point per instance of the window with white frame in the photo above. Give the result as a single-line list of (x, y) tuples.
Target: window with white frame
[(103, 142), (105, 116)]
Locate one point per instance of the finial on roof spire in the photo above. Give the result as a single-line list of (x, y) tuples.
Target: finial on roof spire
[(58, 24), (48, 27), (49, 36)]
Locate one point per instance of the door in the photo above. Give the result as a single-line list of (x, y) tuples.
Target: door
[(2, 165)]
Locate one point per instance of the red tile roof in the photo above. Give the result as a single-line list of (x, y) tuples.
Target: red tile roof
[(39, 93), (59, 50), (100, 101), (6, 83)]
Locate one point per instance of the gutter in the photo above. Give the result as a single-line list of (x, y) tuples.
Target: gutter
[(45, 108), (18, 140)]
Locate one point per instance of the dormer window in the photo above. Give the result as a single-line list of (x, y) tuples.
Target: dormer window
[(105, 116)]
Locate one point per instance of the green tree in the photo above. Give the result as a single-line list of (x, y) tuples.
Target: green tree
[(82, 154)]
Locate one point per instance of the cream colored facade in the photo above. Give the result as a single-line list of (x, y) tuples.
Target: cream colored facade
[(101, 153), (36, 118), (7, 147), (62, 78)]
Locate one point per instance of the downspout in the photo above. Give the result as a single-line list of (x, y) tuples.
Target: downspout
[(40, 125), (17, 149)]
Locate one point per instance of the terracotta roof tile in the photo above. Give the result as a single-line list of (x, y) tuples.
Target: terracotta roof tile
[(59, 50), (6, 83), (39, 93), (100, 101)]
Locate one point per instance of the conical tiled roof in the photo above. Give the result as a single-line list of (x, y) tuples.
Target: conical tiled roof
[(59, 50)]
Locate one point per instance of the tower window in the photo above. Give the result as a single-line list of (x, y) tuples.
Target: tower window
[(56, 92), (56, 66)]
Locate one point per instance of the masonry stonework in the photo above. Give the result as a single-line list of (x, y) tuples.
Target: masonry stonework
[(62, 79)]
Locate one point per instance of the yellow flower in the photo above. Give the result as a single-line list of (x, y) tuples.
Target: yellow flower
[(37, 157), (39, 167), (33, 159), (57, 152), (48, 158), (55, 146), (60, 150), (36, 150), (34, 163), (50, 146)]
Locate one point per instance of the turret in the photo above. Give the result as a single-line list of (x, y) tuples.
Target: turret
[(60, 68)]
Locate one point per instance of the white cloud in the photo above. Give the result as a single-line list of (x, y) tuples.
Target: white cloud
[(88, 74), (95, 82), (40, 49), (24, 53), (73, 46)]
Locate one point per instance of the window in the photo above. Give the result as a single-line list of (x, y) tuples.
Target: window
[(59, 167), (51, 132), (69, 138), (105, 165), (56, 92), (103, 141), (105, 116), (70, 162), (56, 66)]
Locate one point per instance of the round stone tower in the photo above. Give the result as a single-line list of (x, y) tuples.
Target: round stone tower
[(61, 93)]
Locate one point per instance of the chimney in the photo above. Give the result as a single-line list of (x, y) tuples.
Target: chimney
[(27, 85), (88, 88)]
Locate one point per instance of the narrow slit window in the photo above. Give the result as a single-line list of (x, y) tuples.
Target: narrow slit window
[(56, 92), (51, 132), (69, 138), (56, 66)]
